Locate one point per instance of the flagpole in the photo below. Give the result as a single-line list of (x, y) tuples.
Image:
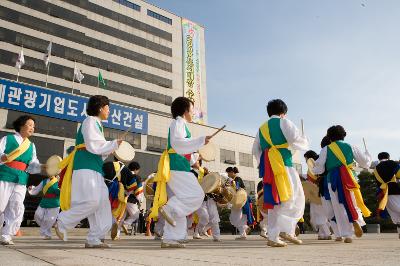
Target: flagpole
[(22, 47), (73, 78), (47, 75)]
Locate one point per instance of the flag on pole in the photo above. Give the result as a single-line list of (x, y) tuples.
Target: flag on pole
[(101, 80), (47, 55), (20, 60), (78, 74)]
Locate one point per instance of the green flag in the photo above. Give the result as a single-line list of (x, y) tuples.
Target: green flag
[(100, 80)]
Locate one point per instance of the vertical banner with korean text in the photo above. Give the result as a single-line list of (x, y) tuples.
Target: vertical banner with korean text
[(46, 102), (192, 67)]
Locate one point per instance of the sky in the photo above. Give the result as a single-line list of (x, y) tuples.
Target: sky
[(331, 61)]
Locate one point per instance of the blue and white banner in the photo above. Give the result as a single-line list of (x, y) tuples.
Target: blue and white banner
[(41, 101)]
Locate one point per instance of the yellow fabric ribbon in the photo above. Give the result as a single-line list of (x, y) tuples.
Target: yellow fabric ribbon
[(162, 177), (357, 193), (201, 174), (118, 213), (385, 188), (49, 184), (65, 190), (278, 166), (21, 149)]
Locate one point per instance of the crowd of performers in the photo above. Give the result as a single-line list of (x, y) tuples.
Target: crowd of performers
[(109, 194)]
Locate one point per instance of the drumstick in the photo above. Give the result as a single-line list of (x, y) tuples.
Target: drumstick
[(302, 127), (365, 145), (216, 132)]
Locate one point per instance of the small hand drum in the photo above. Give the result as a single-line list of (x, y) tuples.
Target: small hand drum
[(211, 183), (125, 152), (260, 201), (311, 192), (239, 199), (149, 191), (207, 152), (52, 163)]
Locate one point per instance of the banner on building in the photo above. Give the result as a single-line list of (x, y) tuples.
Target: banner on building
[(41, 101), (192, 65)]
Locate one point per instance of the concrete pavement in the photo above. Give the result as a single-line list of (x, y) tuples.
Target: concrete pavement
[(371, 249)]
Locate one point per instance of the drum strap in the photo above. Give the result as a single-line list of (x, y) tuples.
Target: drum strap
[(349, 183)]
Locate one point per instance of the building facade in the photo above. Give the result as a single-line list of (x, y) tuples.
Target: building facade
[(146, 55)]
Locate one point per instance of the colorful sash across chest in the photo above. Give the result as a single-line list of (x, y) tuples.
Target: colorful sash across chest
[(347, 183), (274, 158), (169, 160), (384, 187)]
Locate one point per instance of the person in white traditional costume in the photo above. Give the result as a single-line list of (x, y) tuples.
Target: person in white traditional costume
[(17, 160), (46, 213), (344, 203), (318, 217), (83, 191), (185, 194), (387, 173), (283, 192), (208, 212)]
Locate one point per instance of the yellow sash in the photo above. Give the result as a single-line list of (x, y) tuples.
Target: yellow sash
[(49, 184), (385, 188), (118, 213), (357, 193), (278, 166), (65, 190), (162, 178), (21, 149)]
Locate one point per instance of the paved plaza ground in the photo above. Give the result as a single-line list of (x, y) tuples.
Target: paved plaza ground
[(371, 249)]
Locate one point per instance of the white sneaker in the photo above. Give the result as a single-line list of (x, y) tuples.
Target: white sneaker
[(204, 233), (241, 237), (197, 236), (5, 242), (217, 239), (263, 234)]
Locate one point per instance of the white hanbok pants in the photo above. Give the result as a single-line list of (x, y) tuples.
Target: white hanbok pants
[(12, 208), (89, 199), (337, 212), (319, 220), (159, 225), (208, 217), (239, 220), (186, 197), (284, 217), (45, 218), (393, 207), (132, 212)]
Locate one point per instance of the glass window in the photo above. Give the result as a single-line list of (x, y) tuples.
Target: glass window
[(133, 138), (156, 144), (245, 159), (47, 125), (227, 156)]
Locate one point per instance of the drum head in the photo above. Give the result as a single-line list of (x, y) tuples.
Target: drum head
[(239, 199), (211, 182), (149, 191), (311, 192), (125, 152), (52, 163), (207, 152)]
